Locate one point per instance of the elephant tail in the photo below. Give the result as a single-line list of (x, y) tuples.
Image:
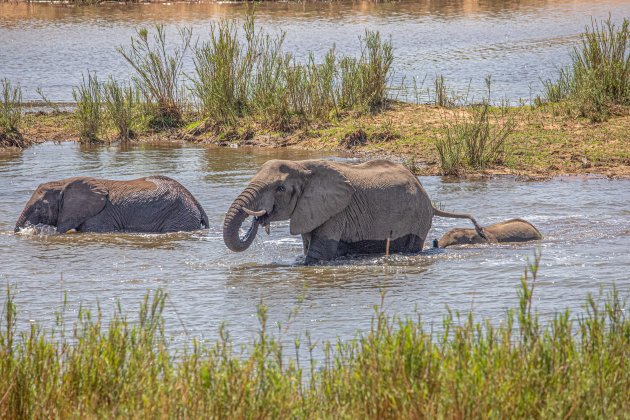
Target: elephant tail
[(478, 228)]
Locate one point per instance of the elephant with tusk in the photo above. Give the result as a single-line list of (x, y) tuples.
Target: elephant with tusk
[(338, 208), (152, 204), (513, 230)]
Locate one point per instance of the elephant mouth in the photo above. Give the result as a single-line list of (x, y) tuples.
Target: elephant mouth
[(264, 222), (261, 217)]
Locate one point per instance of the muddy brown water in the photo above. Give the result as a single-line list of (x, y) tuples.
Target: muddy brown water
[(518, 42), (586, 223)]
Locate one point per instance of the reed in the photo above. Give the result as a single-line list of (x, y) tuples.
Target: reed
[(159, 74), (11, 115), (223, 72), (374, 70), (475, 136), (252, 76), (519, 367), (597, 82), (89, 111), (441, 93), (121, 102), (450, 148)]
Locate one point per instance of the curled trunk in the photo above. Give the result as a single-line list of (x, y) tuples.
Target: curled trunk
[(21, 220), (235, 217)]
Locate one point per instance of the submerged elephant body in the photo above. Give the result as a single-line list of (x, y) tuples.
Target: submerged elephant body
[(338, 208), (513, 230), (152, 204)]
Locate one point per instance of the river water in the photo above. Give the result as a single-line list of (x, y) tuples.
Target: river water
[(586, 223), (517, 42)]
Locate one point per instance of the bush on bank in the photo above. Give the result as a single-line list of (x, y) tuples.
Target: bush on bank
[(597, 82), (251, 75), (10, 115), (568, 367)]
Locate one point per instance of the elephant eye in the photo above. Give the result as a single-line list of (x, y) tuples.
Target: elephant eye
[(280, 188)]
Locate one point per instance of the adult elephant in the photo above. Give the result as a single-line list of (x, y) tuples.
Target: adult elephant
[(338, 208), (151, 204)]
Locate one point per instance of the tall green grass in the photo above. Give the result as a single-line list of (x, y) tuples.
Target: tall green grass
[(121, 102), (159, 73), (598, 79), (252, 76), (89, 112), (476, 136), (223, 72), (10, 115), (570, 366)]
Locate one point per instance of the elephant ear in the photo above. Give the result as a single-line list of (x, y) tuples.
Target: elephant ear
[(80, 200), (326, 193)]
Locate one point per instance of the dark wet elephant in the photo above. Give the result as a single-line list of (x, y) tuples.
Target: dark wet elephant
[(513, 230), (151, 204), (338, 208)]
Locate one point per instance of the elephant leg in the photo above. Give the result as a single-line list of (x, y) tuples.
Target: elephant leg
[(306, 239), (324, 241)]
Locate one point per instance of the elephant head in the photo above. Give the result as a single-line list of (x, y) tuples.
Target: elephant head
[(306, 192), (65, 204)]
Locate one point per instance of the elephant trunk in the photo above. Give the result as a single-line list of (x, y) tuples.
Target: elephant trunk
[(22, 220), (235, 217)]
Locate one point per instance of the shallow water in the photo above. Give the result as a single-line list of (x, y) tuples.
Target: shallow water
[(518, 42), (586, 223)]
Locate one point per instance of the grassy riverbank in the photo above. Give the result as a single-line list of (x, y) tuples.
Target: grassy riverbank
[(521, 367), (545, 141)]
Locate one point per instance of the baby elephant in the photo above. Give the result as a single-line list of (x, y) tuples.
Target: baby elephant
[(513, 230), (151, 204)]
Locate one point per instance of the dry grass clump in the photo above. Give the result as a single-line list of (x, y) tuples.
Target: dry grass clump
[(520, 367)]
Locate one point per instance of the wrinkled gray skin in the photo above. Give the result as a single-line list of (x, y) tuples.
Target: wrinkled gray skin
[(513, 230), (338, 208), (151, 204)]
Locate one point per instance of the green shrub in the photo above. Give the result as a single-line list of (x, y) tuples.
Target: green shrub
[(159, 73), (252, 76), (475, 136), (598, 80), (89, 108), (11, 115), (450, 149), (267, 100), (121, 101), (476, 140), (363, 82), (223, 68)]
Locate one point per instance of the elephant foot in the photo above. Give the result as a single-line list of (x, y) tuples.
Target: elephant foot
[(311, 261)]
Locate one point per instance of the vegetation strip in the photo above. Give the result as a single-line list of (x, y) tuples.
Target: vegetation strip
[(520, 367)]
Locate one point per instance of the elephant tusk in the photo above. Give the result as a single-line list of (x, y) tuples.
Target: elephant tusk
[(71, 231), (254, 213)]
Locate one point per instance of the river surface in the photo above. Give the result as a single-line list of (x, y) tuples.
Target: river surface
[(517, 42), (585, 221)]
